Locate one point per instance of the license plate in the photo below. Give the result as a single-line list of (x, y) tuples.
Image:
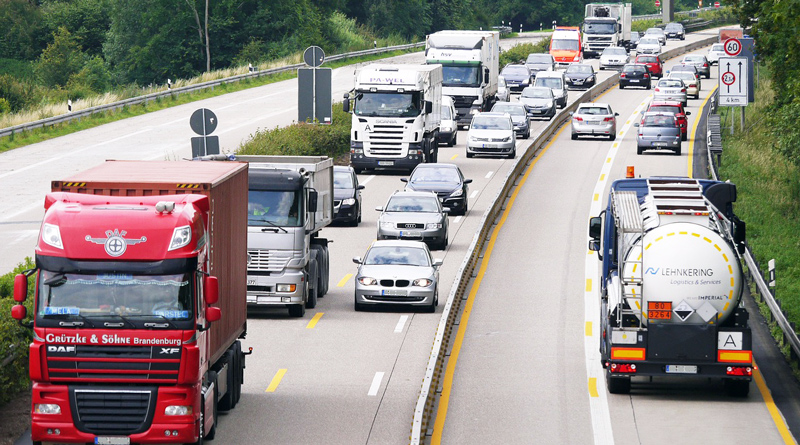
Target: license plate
[(489, 145), (577, 82), (634, 80), (112, 440), (386, 163), (594, 122), (394, 293), (411, 233), (681, 369), (659, 144)]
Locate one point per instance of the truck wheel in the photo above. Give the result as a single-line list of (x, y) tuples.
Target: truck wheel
[(297, 310), (737, 388), (239, 360), (454, 141), (618, 385)]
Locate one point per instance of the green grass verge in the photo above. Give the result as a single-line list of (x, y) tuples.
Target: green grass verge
[(54, 131), (767, 200), (15, 339)]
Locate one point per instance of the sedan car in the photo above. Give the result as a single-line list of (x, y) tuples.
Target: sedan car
[(671, 89), (539, 101), (613, 57), (700, 62), (657, 33), (518, 77), (397, 272), (492, 134), (346, 195), (676, 108), (503, 95), (692, 82), (675, 30), (648, 45), (580, 75), (446, 180), (519, 116), (634, 75), (716, 51), (658, 131), (654, 65), (540, 62), (594, 119), (415, 216)]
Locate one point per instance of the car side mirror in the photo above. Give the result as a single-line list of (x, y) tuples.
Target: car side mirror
[(357, 259), (616, 114), (688, 113), (446, 210), (437, 262), (379, 208), (571, 113), (468, 181), (635, 124), (361, 187), (404, 180)]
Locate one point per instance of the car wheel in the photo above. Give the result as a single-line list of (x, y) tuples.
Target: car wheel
[(465, 208), (613, 136), (454, 141), (469, 155), (359, 307), (356, 219), (358, 170), (684, 136), (621, 86), (527, 134), (513, 154), (648, 86), (639, 150), (574, 137), (678, 151)]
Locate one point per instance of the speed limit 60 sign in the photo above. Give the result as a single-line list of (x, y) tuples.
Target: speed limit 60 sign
[(733, 47)]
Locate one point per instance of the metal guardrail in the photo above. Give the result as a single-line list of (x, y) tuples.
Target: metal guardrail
[(754, 271), (427, 402), (187, 89)]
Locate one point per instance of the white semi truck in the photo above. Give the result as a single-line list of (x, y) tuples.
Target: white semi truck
[(672, 283), (396, 116), (470, 61), (604, 25), (290, 200)]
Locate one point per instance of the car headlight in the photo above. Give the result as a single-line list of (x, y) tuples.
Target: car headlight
[(387, 225), (458, 192), (433, 225), (422, 282), (473, 139), (549, 104), (505, 139), (349, 201), (447, 129), (367, 281)]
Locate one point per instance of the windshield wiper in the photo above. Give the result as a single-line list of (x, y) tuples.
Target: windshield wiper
[(114, 325), (168, 323), (275, 226), (68, 324)]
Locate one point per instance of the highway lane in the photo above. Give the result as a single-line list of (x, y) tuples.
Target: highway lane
[(521, 375)]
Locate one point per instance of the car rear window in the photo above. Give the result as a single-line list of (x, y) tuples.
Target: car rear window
[(593, 110), (634, 69), (661, 120), (646, 59), (666, 109), (670, 83)]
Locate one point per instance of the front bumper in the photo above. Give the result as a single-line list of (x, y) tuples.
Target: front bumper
[(262, 289), (377, 295), (445, 135), (345, 212), (542, 112), (426, 235), (490, 147), (361, 161), (516, 87), (580, 83)]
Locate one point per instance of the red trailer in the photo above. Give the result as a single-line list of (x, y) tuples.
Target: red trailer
[(140, 303)]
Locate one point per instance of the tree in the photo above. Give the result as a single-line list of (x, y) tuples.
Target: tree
[(86, 20), (60, 60), (21, 30), (202, 29)]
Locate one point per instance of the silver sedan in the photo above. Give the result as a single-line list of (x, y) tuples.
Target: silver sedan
[(594, 119), (417, 216), (397, 272)]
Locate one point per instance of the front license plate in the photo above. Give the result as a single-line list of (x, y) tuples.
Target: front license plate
[(386, 163), (112, 440), (681, 369), (489, 145), (394, 293), (411, 234)]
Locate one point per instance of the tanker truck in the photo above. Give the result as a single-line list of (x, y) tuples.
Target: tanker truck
[(139, 303), (671, 283)]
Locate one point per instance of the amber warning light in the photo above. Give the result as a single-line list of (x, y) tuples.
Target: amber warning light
[(629, 172)]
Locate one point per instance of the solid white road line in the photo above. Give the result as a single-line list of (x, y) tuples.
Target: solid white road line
[(376, 384)]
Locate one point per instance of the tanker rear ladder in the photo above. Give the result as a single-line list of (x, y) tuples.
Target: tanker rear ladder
[(630, 229)]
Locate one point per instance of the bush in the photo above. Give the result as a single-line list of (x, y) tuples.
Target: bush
[(303, 139), (518, 53), (14, 339)]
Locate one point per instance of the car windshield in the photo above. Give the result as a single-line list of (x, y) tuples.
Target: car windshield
[(549, 82), (109, 294), (673, 27), (515, 70), (670, 83), (717, 47), (539, 93), (693, 59), (614, 51), (434, 174), (461, 76), (655, 31), (273, 207), (446, 115), (490, 123), (646, 59), (512, 109), (579, 69), (343, 180), (666, 108), (397, 255), (593, 110), (590, 27), (648, 41), (422, 204), (539, 58), (388, 104), (659, 120)]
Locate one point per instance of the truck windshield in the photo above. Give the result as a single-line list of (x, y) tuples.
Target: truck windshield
[(273, 208), (599, 27), (461, 76), (564, 45), (386, 104), (112, 294)]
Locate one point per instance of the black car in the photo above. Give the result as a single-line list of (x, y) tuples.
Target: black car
[(631, 44), (634, 75), (446, 180), (346, 195), (675, 30), (518, 77), (580, 75)]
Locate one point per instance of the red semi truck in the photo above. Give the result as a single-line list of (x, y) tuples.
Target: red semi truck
[(140, 303)]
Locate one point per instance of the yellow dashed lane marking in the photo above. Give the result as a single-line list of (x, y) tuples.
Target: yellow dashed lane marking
[(593, 387), (345, 280), (588, 329), (314, 320), (454, 157), (588, 284), (276, 381)]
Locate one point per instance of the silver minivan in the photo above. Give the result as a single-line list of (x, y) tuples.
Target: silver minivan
[(556, 81)]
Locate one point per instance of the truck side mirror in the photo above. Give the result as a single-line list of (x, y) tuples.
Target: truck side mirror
[(428, 107), (19, 312), (739, 235), (346, 103), (212, 289), (213, 314), (20, 288), (595, 227), (486, 75), (312, 200)]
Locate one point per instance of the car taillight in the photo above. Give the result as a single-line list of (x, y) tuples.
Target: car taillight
[(683, 90), (646, 76), (578, 118), (622, 75), (657, 90), (705, 65), (608, 119)]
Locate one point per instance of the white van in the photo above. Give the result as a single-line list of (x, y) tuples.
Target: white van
[(448, 130), (556, 81)]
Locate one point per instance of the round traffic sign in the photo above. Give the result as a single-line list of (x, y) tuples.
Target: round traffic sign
[(728, 78), (658, 3), (716, 4), (313, 56), (203, 121), (733, 47)]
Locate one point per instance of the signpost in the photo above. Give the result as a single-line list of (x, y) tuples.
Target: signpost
[(314, 103), (204, 122), (733, 81), (716, 4), (658, 3), (733, 47)]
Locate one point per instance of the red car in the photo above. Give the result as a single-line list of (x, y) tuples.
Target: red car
[(675, 108), (654, 64)]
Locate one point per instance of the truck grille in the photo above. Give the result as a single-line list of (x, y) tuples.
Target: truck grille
[(267, 260), (386, 140), (157, 364), (113, 411)]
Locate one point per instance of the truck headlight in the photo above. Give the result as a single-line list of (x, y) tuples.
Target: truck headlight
[(47, 408), (52, 235), (286, 287), (181, 236), (178, 410), (367, 281), (349, 201), (422, 282)]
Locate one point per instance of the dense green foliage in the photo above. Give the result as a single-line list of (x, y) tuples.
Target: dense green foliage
[(518, 53), (15, 339)]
